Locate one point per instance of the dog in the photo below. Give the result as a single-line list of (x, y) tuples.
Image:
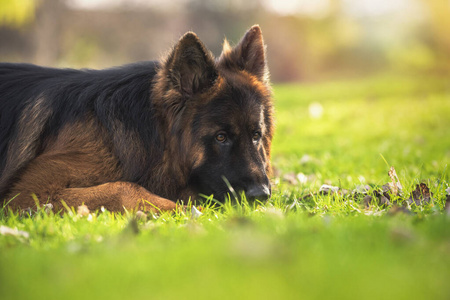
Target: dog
[(140, 136)]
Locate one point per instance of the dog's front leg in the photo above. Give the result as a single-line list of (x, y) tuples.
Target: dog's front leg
[(115, 196)]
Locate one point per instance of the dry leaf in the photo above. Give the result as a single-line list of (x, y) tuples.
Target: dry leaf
[(447, 205), (362, 189), (140, 215), (420, 195), (394, 185), (5, 230), (379, 199), (290, 178), (302, 178), (395, 209), (195, 213), (47, 208), (27, 212), (306, 197), (367, 200), (326, 189), (83, 211)]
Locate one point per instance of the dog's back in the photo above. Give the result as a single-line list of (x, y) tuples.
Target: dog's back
[(36, 102), (23, 114)]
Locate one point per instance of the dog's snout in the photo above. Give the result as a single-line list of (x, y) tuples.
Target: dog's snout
[(259, 192)]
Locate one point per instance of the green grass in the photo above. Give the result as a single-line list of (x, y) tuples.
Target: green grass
[(321, 247)]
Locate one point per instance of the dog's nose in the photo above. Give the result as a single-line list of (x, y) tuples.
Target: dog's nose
[(260, 192)]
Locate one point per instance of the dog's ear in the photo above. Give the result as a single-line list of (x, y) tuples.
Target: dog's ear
[(190, 67), (248, 55)]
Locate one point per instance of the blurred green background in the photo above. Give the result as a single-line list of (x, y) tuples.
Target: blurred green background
[(307, 40)]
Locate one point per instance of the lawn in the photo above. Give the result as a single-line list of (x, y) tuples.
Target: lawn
[(301, 244)]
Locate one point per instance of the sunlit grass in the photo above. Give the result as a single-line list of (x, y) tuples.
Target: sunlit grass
[(405, 121), (301, 244)]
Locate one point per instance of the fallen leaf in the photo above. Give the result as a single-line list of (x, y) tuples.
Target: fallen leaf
[(420, 195), (395, 210), (195, 213), (367, 200), (373, 213), (83, 211), (140, 215), (362, 189), (306, 197), (305, 159), (5, 230), (384, 194), (386, 188), (447, 205), (290, 178), (47, 208), (302, 178), (326, 189), (27, 212), (384, 201), (380, 200), (394, 185)]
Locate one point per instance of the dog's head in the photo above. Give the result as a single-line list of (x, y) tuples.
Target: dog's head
[(219, 116)]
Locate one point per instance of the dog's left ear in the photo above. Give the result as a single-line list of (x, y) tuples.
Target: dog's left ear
[(248, 55), (190, 67)]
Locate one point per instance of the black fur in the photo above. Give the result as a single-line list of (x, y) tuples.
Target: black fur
[(117, 97)]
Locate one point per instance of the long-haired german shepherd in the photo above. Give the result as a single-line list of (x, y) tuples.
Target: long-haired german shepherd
[(140, 136)]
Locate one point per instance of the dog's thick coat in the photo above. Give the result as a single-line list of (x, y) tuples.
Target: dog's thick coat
[(141, 136)]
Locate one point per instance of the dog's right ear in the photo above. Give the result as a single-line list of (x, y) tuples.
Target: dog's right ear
[(249, 55), (190, 67)]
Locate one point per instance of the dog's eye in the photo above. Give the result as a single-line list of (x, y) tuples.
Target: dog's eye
[(256, 136), (221, 137)]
